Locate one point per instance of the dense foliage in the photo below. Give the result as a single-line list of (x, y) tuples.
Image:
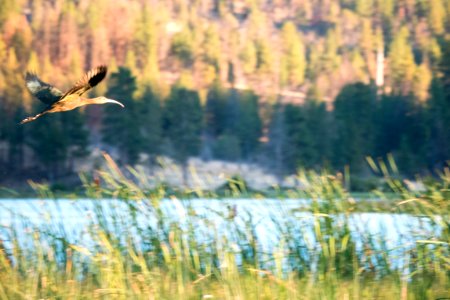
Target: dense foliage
[(289, 84)]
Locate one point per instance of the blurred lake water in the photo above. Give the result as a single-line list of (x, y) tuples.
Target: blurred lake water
[(266, 217)]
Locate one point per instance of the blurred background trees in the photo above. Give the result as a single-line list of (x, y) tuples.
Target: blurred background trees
[(293, 84)]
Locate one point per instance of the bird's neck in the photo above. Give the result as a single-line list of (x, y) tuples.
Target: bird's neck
[(92, 100)]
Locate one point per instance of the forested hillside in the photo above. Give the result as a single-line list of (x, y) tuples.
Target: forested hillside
[(286, 83)]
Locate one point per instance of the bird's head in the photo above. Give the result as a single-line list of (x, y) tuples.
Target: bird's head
[(103, 100)]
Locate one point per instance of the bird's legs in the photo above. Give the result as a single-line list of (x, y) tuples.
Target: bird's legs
[(29, 119)]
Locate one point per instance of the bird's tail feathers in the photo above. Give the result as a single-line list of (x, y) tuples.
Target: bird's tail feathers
[(29, 119)]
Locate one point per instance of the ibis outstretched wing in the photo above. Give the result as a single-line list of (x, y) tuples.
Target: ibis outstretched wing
[(89, 80), (45, 92)]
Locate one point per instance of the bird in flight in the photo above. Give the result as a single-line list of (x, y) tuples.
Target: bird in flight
[(57, 101)]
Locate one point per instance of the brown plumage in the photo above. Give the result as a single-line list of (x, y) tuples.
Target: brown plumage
[(57, 101)]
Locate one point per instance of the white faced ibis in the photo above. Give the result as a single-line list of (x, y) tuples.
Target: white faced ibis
[(57, 101)]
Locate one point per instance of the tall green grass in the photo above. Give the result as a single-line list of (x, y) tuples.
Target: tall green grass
[(137, 251)]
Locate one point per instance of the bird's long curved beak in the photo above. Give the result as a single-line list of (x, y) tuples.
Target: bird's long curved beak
[(114, 101)]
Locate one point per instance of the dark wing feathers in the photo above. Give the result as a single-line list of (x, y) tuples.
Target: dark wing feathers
[(89, 80), (45, 92)]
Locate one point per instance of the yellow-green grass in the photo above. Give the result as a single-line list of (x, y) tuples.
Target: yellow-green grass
[(170, 261)]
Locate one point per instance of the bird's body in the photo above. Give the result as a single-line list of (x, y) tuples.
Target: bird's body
[(57, 101)]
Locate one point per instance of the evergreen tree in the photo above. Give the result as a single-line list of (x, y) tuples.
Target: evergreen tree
[(146, 44), (49, 143), (216, 110), (422, 80), (391, 121), (227, 147), (353, 117), (121, 128), (76, 135), (55, 140), (264, 56), (7, 7), (437, 16), (248, 127), (13, 101), (211, 47), (150, 119), (401, 62), (294, 55), (413, 154), (131, 61), (365, 7), (306, 137), (277, 140), (296, 137), (318, 126), (16, 139), (33, 62), (403, 128), (67, 35), (330, 58), (182, 47), (248, 57), (386, 7), (439, 111), (439, 116), (183, 123)]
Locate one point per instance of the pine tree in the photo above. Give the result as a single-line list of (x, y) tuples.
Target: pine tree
[(150, 119), (359, 65), (437, 16), (367, 37), (216, 110), (98, 49), (146, 44), (401, 62), (296, 137), (294, 55), (21, 43), (227, 147), (182, 47), (76, 136), (264, 56), (49, 143), (121, 129), (16, 139), (439, 111), (183, 123), (248, 57), (387, 8), (33, 63), (277, 140), (413, 153), (365, 7), (306, 137), (439, 116), (318, 127), (131, 61), (67, 35), (211, 47), (330, 59), (7, 8), (422, 80), (248, 127), (13, 99), (353, 115), (391, 122)]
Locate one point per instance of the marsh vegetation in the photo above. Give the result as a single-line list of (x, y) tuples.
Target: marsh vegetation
[(134, 248)]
